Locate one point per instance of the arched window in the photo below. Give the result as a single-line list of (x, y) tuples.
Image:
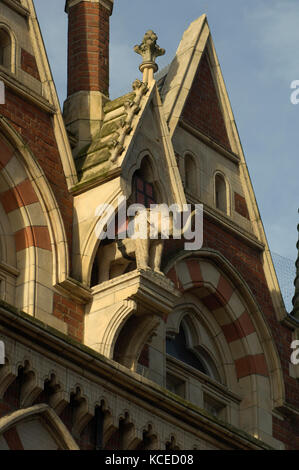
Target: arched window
[(143, 190), (177, 346), (144, 187), (190, 174), (5, 49), (221, 193), (186, 362)]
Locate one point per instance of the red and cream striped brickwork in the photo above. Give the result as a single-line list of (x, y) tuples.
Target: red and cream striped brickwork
[(221, 298), (35, 128), (240, 332), (31, 289), (28, 232)]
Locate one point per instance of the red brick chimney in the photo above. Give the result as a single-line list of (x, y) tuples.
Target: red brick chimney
[(88, 66)]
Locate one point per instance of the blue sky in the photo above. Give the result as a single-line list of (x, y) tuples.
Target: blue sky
[(257, 43)]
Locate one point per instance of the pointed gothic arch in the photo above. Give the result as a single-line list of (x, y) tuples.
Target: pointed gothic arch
[(147, 166), (48, 232), (50, 432), (241, 323), (225, 292)]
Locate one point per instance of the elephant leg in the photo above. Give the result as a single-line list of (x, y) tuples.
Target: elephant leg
[(118, 269), (142, 253), (104, 268), (104, 258), (156, 255)]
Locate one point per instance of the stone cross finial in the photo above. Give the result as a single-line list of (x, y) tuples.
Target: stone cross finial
[(149, 51)]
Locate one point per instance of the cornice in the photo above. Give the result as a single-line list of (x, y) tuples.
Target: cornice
[(16, 6), (75, 290), (105, 3), (210, 142), (290, 322), (72, 354), (83, 186), (233, 227), (11, 270), (10, 81), (287, 410)]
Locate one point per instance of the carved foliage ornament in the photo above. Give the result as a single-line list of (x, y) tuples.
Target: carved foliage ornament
[(149, 50)]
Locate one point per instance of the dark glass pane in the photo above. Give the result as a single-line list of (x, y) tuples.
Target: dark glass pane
[(139, 184), (143, 191), (177, 348), (150, 201), (140, 198), (149, 189)]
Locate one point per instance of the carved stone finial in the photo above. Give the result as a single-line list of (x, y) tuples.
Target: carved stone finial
[(149, 51)]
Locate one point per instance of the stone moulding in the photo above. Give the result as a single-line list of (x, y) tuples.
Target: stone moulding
[(106, 3), (15, 5), (146, 398), (150, 289), (132, 108), (47, 415), (142, 293)]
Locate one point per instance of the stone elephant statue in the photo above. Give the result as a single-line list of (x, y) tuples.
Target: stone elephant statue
[(144, 244)]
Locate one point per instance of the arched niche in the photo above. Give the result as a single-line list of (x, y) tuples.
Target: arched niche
[(7, 48), (191, 175), (221, 193)]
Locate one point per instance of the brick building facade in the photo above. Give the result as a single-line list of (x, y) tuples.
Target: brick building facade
[(126, 344)]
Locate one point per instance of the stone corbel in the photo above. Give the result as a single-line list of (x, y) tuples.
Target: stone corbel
[(82, 416), (147, 295), (6, 378), (29, 390), (75, 290)]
